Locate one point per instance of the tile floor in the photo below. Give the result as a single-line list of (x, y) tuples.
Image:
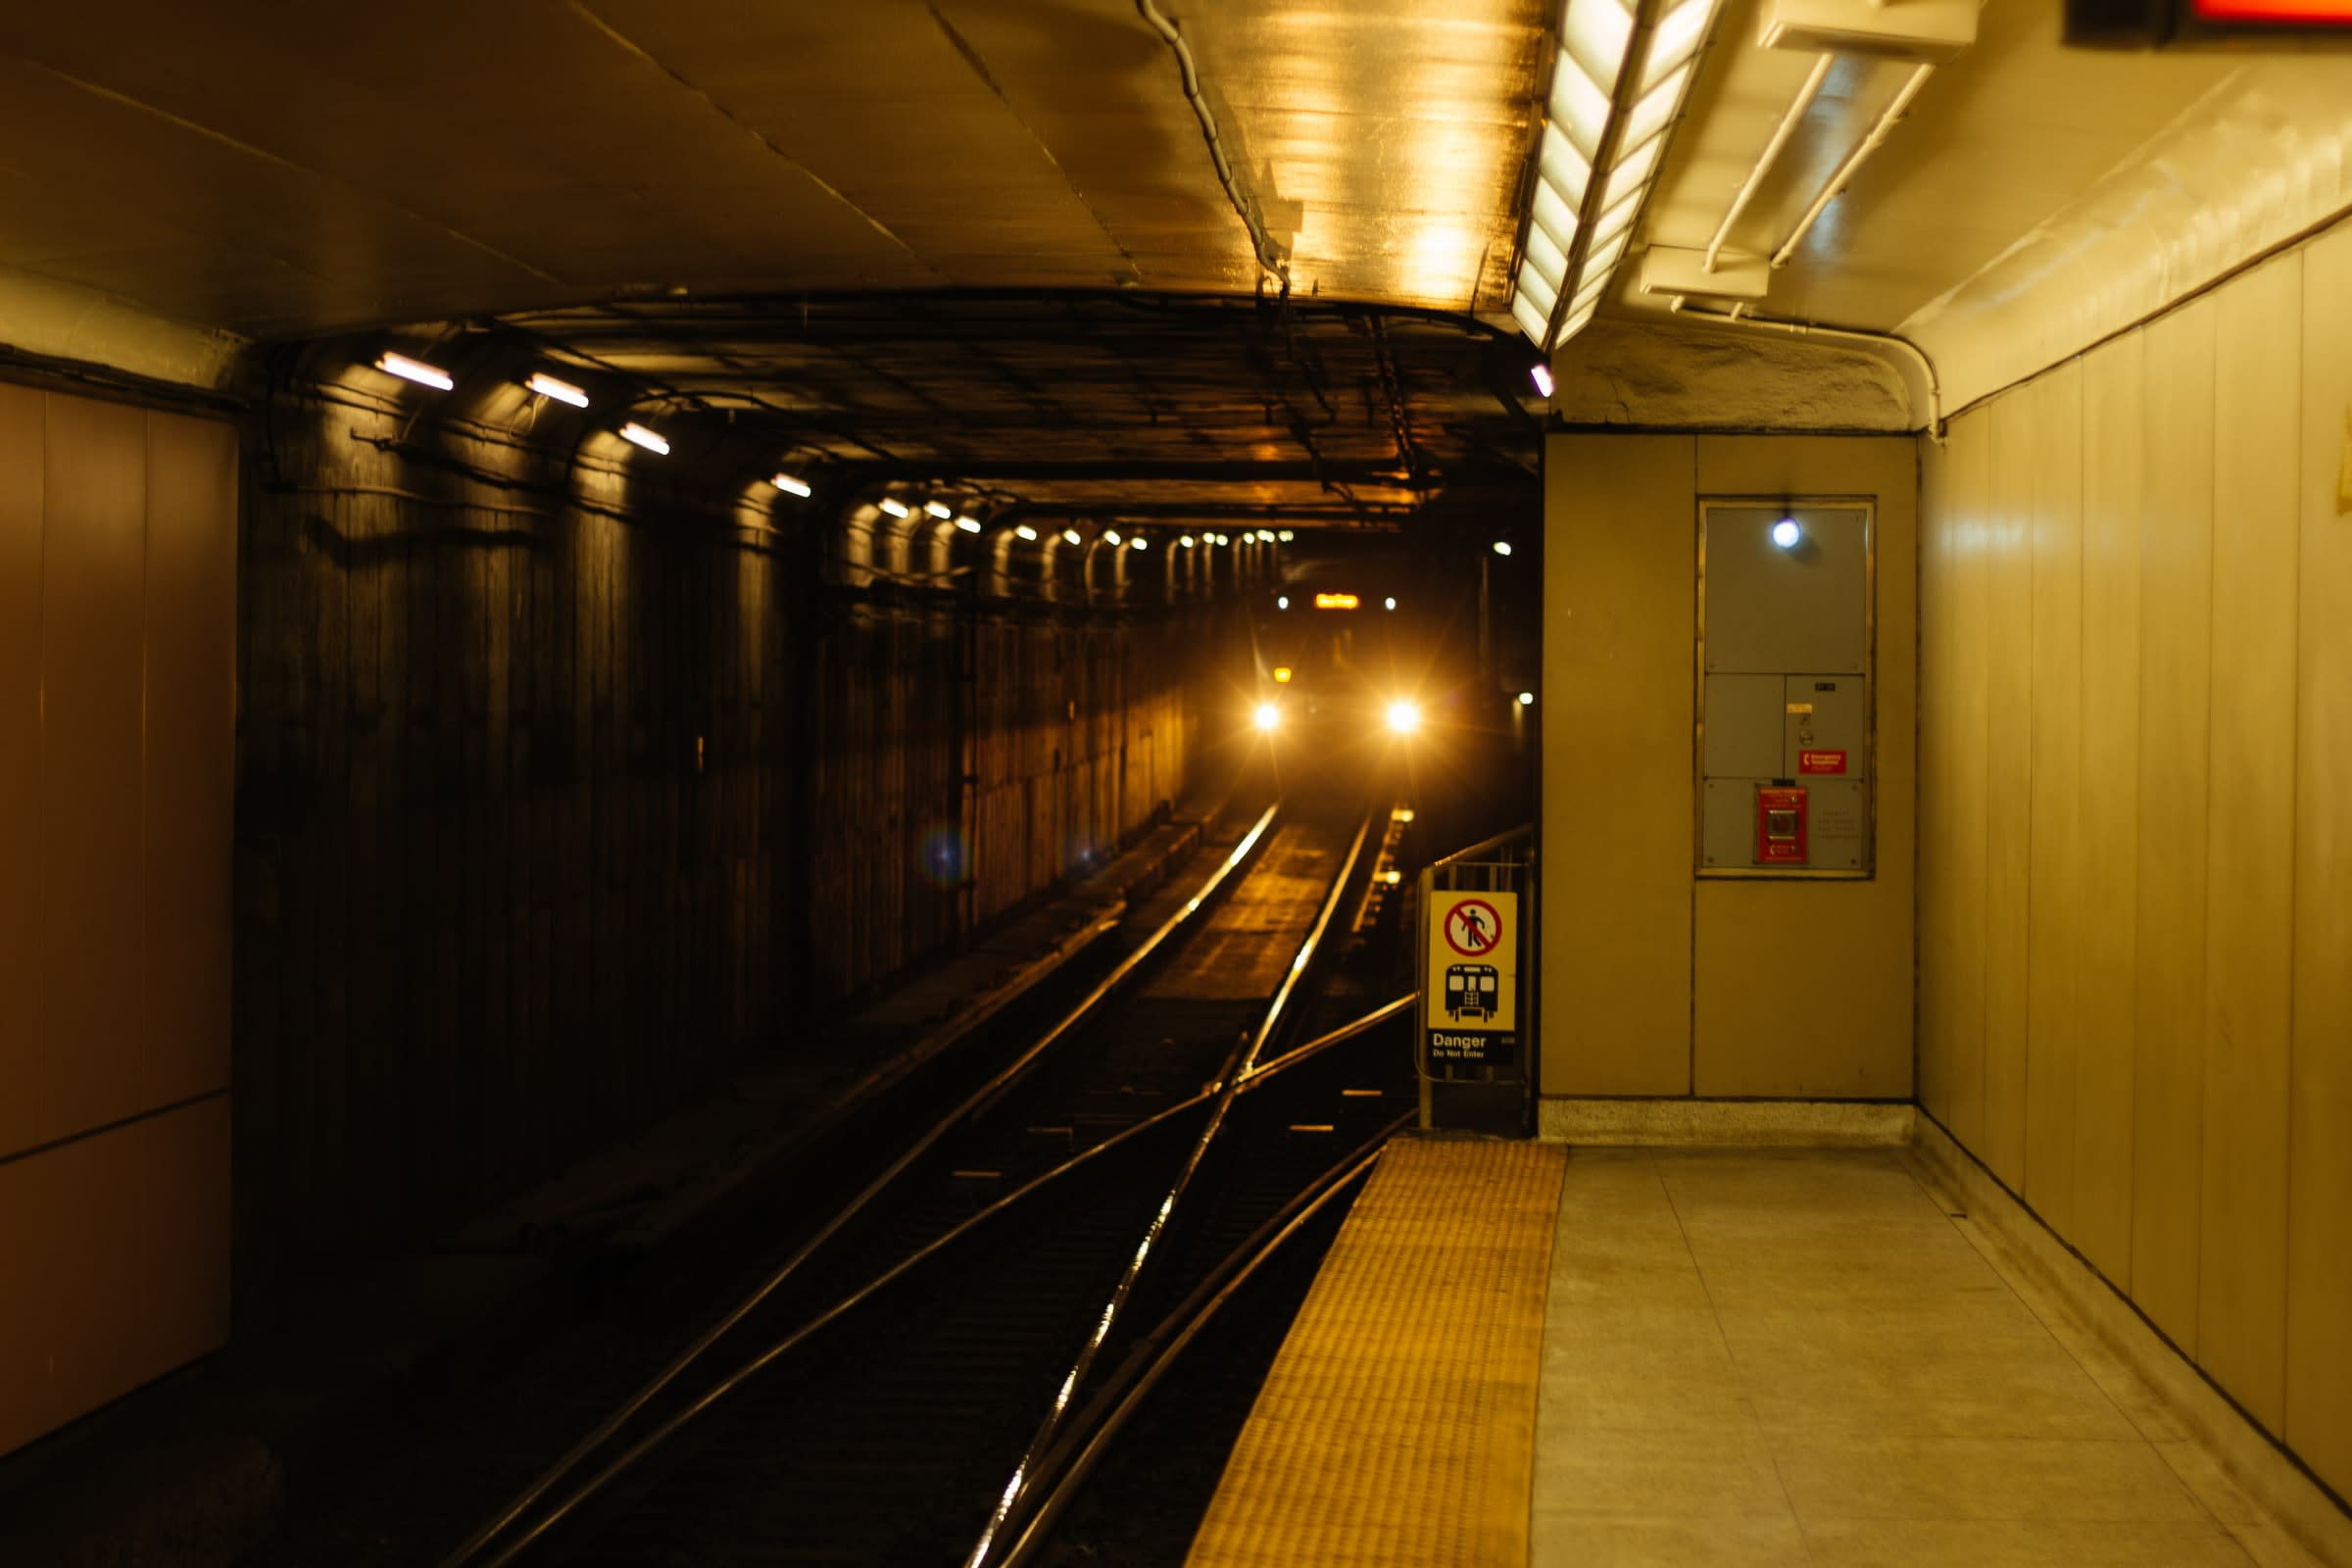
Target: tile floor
[(1796, 1356)]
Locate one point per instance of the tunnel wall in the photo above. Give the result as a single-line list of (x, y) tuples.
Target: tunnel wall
[(118, 528), (2136, 885), (1657, 982), (553, 813)]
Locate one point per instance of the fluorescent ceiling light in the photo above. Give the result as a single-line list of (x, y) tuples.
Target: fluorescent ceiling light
[(1541, 374), (1185, 541), (1600, 111), (547, 387), (1112, 538), (1070, 536), (1026, 533), (1286, 536), (940, 509), (897, 508), (790, 485), (1138, 543), (416, 370), (652, 441), (968, 524)]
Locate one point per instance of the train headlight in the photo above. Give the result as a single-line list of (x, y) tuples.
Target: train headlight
[(1268, 716), (1404, 716)]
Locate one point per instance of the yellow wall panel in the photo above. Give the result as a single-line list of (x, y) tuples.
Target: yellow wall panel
[(2054, 878), (127, 1233), (24, 1101), (2250, 929), (1968, 452), (1620, 561), (1853, 1039), (93, 545), (1938, 779), (2319, 1272), (191, 657), (2112, 455), (2008, 777), (2175, 619)]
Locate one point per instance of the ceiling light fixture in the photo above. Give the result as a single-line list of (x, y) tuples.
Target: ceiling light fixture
[(1070, 536), (1502, 547), (547, 387), (1286, 536), (1623, 71), (1185, 541), (416, 370), (1139, 542), (790, 485), (897, 508), (652, 441), (940, 509), (1026, 533), (1541, 374), (968, 524), (1112, 539)]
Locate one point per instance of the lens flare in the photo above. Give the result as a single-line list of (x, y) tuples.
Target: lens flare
[(1404, 716), (1268, 716)]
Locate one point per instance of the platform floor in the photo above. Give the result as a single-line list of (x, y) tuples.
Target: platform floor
[(1783, 1356)]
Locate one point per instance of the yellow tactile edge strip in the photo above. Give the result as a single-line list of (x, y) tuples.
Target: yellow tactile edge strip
[(1398, 1424)]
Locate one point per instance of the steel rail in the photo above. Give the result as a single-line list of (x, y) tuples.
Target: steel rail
[(1123, 1393), (1277, 1012), (470, 1550), (636, 1453)]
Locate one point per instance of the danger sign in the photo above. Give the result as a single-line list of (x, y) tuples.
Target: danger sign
[(1473, 927), (1470, 978)]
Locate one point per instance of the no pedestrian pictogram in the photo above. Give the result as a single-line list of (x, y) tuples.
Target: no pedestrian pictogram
[(1473, 928)]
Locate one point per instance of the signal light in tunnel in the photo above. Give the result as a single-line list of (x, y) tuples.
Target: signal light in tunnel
[(652, 441), (1026, 533), (897, 508), (547, 387), (416, 370), (790, 485)]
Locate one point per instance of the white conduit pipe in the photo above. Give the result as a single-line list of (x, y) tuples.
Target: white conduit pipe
[(1771, 154), (1850, 334), (1871, 143), (1269, 256)]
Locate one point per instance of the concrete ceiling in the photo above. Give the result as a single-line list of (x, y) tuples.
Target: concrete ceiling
[(279, 168)]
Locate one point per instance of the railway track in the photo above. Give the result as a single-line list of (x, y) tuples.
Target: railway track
[(928, 1375)]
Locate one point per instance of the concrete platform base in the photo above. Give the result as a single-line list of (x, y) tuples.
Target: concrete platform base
[(1726, 1123)]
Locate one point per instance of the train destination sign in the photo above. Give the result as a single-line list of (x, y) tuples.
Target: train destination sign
[(1470, 1001)]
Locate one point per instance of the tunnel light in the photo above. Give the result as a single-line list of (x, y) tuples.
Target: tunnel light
[(1283, 603), (1286, 536), (1541, 374), (1403, 813), (1070, 536), (416, 370), (790, 485), (652, 440), (1392, 877), (1502, 547), (1785, 534), (1527, 698), (1139, 542), (1112, 538), (1388, 602), (1027, 533), (968, 524), (1282, 675), (938, 509), (897, 508), (1602, 102), (1268, 716), (1185, 541), (1404, 716), (547, 387)]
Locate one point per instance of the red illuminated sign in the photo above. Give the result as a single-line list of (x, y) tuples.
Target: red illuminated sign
[(2287, 13), (1820, 762)]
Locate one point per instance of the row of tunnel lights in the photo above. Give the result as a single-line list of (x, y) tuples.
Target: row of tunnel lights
[(549, 386)]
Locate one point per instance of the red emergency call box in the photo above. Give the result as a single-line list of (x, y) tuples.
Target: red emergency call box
[(1779, 824)]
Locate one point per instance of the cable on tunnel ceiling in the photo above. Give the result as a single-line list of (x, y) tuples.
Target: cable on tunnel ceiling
[(1269, 255)]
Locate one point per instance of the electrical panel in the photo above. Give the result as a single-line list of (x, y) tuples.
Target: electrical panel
[(1786, 733)]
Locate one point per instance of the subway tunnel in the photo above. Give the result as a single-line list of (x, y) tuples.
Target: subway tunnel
[(1665, 682)]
